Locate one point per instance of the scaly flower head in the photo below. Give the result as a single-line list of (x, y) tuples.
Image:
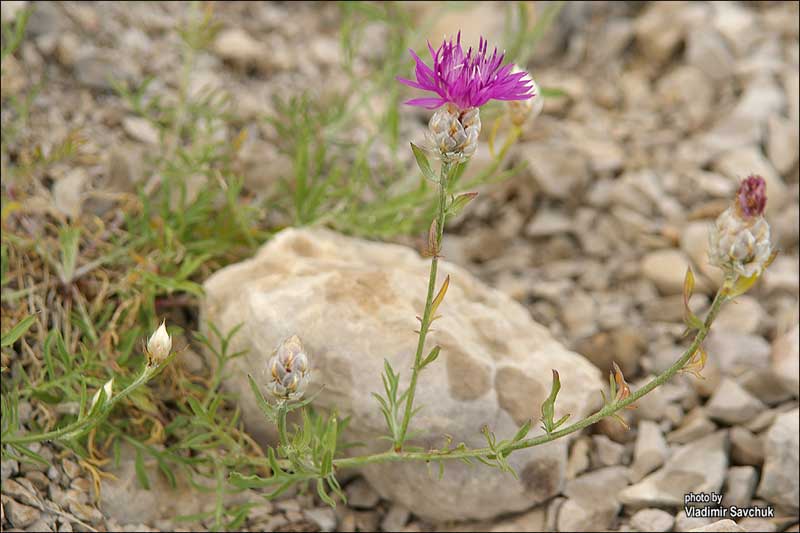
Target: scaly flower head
[(740, 239), (467, 80), (287, 370)]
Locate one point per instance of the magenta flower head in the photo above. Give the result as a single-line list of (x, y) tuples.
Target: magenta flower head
[(467, 80), (462, 83), (752, 196)]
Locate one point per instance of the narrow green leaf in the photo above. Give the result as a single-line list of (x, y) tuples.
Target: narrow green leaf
[(431, 356), (422, 163), (11, 336), (141, 473), (523, 431), (460, 202), (265, 407)]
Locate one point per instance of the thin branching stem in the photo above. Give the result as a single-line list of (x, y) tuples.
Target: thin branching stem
[(425, 323), (608, 410)]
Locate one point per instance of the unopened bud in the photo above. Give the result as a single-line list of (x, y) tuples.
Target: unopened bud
[(520, 111), (108, 388), (287, 370), (454, 133), (739, 243), (159, 345)]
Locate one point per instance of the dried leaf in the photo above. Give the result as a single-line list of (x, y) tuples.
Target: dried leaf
[(440, 295)]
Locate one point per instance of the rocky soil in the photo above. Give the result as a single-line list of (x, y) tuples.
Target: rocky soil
[(666, 106)]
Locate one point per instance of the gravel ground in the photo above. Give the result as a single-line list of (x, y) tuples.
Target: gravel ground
[(667, 105)]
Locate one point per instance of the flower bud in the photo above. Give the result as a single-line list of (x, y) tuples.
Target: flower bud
[(287, 370), (454, 133), (739, 243), (108, 388), (520, 111), (159, 345)]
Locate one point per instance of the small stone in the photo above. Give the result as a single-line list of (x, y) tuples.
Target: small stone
[(86, 512), (739, 486), (559, 174), (40, 526), (141, 129), (782, 141), (742, 315), (237, 46), (592, 500), (19, 514), (396, 518), (735, 22), (685, 523), (533, 520), (764, 384), (70, 468), (553, 509), (695, 425), (732, 404), (720, 526), (324, 517), (8, 468), (697, 467), (607, 452), (68, 192), (706, 50), (650, 451), (667, 269), (737, 352), (785, 359), (746, 448), (549, 222), (654, 520), (690, 93), (96, 70), (578, 461), (779, 481), (762, 525), (20, 489), (655, 37), (360, 495), (39, 480)]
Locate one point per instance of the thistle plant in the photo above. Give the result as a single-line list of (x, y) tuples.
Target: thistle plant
[(461, 83)]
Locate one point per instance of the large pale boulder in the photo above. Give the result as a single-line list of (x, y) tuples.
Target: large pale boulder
[(353, 303)]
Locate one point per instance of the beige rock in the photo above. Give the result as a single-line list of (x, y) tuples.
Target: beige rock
[(779, 482), (654, 520), (667, 269), (592, 502), (237, 46), (68, 192), (650, 452), (696, 467), (782, 140), (732, 404), (353, 304), (739, 486), (141, 129), (720, 526), (786, 359)]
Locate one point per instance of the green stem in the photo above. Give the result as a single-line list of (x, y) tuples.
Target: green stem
[(282, 435), (87, 421), (426, 316), (608, 410)]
